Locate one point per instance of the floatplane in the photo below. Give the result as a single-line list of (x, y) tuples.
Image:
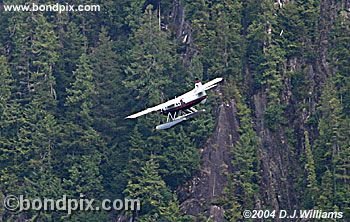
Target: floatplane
[(181, 108)]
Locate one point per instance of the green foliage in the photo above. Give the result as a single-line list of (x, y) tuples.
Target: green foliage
[(72, 46), (340, 55), (180, 158), (177, 155), (151, 61), (243, 181), (84, 177), (149, 187), (67, 81), (5, 88), (107, 76), (332, 146), (327, 192), (311, 187), (231, 199), (328, 127), (82, 89), (32, 61), (81, 147), (274, 116), (217, 32), (108, 111)]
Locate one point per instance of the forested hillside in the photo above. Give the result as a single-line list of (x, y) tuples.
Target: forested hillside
[(275, 134)]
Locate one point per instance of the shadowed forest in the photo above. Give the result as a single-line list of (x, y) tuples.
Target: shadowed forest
[(275, 134)]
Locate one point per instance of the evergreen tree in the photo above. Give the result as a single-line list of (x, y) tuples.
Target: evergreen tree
[(179, 158), (328, 143), (332, 145), (30, 128), (67, 80), (340, 55), (325, 200), (245, 179), (81, 149), (44, 50), (8, 129), (150, 188), (81, 91), (231, 200), (222, 53), (312, 187), (110, 95), (8, 106), (33, 160), (109, 110), (33, 57), (84, 177), (172, 212), (152, 61), (5, 88), (72, 45)]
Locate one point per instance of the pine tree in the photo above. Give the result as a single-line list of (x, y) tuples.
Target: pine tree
[(82, 147), (20, 53), (293, 27), (150, 188), (222, 41), (152, 61), (312, 187), (108, 111), (5, 88), (233, 210), (33, 58), (28, 122), (340, 55), (332, 146), (72, 46), (179, 158), (5, 79), (8, 128), (44, 47), (110, 94), (137, 153), (325, 200), (34, 159), (84, 177), (245, 158), (80, 93), (172, 212), (327, 144)]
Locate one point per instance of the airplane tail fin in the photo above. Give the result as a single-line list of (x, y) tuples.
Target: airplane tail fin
[(197, 83)]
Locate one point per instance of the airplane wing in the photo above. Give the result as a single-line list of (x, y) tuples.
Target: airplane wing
[(152, 109), (205, 86), (212, 83)]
